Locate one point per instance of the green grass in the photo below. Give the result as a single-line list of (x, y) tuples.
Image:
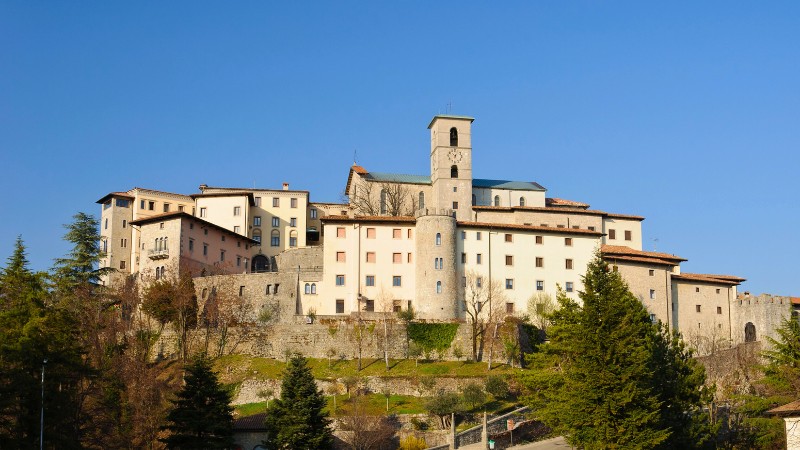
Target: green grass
[(235, 368)]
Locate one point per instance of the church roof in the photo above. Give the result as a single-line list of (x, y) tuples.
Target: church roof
[(510, 185)]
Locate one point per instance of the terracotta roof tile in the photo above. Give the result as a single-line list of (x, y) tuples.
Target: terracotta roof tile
[(641, 259), (184, 215), (788, 409), (558, 209), (563, 202), (708, 279), (373, 219), (359, 170), (627, 251), (505, 226), (115, 194)]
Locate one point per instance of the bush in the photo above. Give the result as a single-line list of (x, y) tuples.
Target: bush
[(432, 336), (473, 394), (412, 442), (497, 386)]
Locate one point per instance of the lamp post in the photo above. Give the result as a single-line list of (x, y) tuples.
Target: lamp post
[(41, 421)]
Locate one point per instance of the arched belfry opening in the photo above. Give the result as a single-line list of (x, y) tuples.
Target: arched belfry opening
[(453, 137), (454, 171), (749, 332)]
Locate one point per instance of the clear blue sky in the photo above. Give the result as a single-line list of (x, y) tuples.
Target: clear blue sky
[(687, 113)]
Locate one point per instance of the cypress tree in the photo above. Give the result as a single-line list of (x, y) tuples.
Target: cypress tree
[(202, 417), (298, 420)]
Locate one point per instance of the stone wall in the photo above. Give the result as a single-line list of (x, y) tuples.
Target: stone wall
[(764, 311)]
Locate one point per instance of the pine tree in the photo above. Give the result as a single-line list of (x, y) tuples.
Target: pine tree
[(298, 419), (202, 417), (609, 378), (80, 266)]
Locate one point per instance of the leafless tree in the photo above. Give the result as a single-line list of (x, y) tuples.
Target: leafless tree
[(540, 306), (477, 293), (370, 198), (362, 431), (386, 302)]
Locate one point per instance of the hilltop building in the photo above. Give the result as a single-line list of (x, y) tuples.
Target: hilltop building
[(434, 242)]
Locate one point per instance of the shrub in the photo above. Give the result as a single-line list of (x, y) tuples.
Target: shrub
[(497, 386), (412, 442)]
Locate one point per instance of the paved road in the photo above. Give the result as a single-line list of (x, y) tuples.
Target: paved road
[(550, 444)]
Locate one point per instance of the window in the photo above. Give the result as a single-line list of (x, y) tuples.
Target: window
[(293, 203), (237, 229), (313, 288), (166, 207), (275, 239), (396, 233), (539, 262), (496, 200), (697, 289), (479, 258), (410, 234), (540, 240), (370, 280), (276, 222), (397, 281), (205, 249), (438, 263), (269, 289), (222, 255), (105, 245), (575, 227), (478, 236), (569, 264), (370, 233), (241, 291), (257, 236), (340, 233), (308, 288), (122, 264), (438, 287), (697, 308), (559, 226), (652, 318), (141, 204), (257, 201), (464, 281), (591, 228), (293, 238), (509, 308), (276, 288), (569, 286), (509, 283), (276, 202), (293, 222), (339, 306), (652, 294), (151, 206), (123, 203), (463, 235), (123, 243), (340, 280), (313, 213), (568, 242), (256, 221), (453, 137), (369, 305), (522, 201), (612, 234), (539, 285), (409, 259), (438, 238), (191, 245), (453, 171), (370, 257), (238, 261), (455, 205), (161, 225), (421, 200), (719, 309), (509, 237), (397, 258), (124, 223), (383, 201), (509, 260), (627, 235), (105, 224), (478, 281), (202, 212), (340, 257), (463, 258), (651, 272)]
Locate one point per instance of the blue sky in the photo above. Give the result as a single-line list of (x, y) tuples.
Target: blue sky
[(684, 112)]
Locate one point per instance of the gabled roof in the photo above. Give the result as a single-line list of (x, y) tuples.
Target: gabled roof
[(789, 409), (184, 215), (115, 195), (727, 280), (398, 178), (449, 116), (560, 202), (251, 423), (621, 250), (509, 185), (558, 210)]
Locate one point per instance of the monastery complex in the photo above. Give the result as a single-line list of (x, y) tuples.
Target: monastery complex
[(433, 242)]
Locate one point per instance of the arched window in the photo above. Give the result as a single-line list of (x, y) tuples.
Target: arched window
[(383, 201), (453, 137), (438, 287), (275, 240), (454, 171), (308, 288), (522, 201), (438, 238), (749, 332), (257, 235), (421, 200), (313, 288), (496, 200), (293, 238), (260, 264), (158, 273)]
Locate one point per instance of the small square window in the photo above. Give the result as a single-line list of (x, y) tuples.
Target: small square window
[(539, 285), (312, 213), (205, 249), (241, 291), (463, 258), (627, 235), (569, 286), (237, 210), (257, 221), (652, 294), (509, 237), (409, 259), (293, 203), (166, 207), (370, 233), (455, 205), (397, 258), (568, 242), (370, 281), (369, 305), (591, 228), (340, 257), (370, 257), (396, 233), (651, 272), (397, 281), (339, 306), (509, 260), (276, 202), (509, 308), (340, 280), (612, 234), (202, 212), (717, 290), (509, 283), (222, 255), (151, 206), (479, 259), (238, 261), (539, 261), (719, 309), (569, 264), (410, 234), (293, 222), (237, 229), (697, 308), (463, 235), (540, 240), (697, 289), (652, 318), (340, 232), (257, 201), (478, 236), (122, 264)]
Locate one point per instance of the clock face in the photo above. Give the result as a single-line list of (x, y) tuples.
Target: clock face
[(454, 155)]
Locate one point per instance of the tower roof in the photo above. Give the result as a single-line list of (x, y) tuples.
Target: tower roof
[(448, 116)]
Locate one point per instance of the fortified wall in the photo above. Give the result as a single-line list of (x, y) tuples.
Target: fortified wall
[(754, 318)]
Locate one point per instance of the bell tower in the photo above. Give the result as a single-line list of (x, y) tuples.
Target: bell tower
[(451, 164)]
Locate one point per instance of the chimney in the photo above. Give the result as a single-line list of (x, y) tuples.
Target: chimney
[(285, 186), (203, 187)]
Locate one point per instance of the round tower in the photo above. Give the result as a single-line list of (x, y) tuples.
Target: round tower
[(436, 281)]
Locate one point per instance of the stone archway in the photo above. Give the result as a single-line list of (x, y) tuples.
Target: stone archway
[(749, 332), (260, 264)]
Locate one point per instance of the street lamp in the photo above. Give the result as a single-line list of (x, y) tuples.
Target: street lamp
[(41, 423)]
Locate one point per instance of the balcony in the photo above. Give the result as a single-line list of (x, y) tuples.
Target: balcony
[(161, 253), (434, 212)]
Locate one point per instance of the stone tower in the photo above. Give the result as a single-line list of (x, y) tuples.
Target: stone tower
[(451, 164), (435, 268)]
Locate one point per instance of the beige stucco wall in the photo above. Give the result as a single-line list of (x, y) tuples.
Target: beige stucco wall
[(620, 226), (115, 233), (641, 282), (553, 218), (220, 211), (508, 197), (701, 329)]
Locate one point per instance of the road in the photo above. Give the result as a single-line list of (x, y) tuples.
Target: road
[(550, 444)]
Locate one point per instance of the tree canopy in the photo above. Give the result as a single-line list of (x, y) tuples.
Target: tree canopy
[(298, 420), (609, 378)]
